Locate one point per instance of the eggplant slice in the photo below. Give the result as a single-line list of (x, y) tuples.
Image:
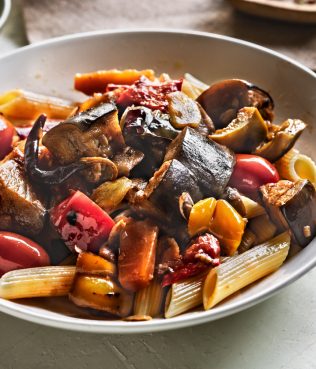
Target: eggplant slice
[(223, 99), (183, 111), (21, 210), (283, 140), (244, 133), (168, 183), (149, 132), (292, 205), (211, 164), (91, 133), (126, 160)]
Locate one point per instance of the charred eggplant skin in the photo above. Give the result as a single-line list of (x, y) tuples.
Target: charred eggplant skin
[(168, 184), (292, 205), (284, 139), (300, 211), (22, 208), (55, 176), (91, 133), (86, 119), (211, 164), (149, 133)]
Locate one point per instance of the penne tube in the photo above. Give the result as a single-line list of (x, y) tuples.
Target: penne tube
[(245, 269), (187, 294), (295, 166), (252, 208), (184, 295), (37, 282), (201, 86), (190, 90), (148, 301), (21, 105), (262, 228)]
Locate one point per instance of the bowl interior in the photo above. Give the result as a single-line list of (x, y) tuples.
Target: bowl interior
[(49, 68)]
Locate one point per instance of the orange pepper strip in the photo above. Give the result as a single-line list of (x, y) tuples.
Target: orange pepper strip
[(89, 83), (228, 226), (201, 216)]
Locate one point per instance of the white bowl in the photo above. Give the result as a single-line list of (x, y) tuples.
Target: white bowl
[(5, 7), (49, 67)]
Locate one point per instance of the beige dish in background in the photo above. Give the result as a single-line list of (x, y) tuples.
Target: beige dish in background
[(278, 9), (49, 68)]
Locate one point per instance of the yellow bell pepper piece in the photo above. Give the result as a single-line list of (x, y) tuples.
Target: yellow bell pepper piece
[(201, 216), (228, 226)]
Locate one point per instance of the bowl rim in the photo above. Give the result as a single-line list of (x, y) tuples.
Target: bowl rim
[(5, 12), (121, 327)]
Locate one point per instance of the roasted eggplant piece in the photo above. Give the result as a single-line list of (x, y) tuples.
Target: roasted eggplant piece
[(211, 164), (183, 111), (168, 184), (261, 100), (21, 210), (283, 140), (245, 206), (244, 133), (31, 159), (149, 132), (206, 126), (126, 160), (91, 133), (234, 198), (223, 99), (292, 205)]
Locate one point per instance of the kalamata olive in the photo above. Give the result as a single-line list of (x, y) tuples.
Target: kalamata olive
[(17, 252), (7, 132)]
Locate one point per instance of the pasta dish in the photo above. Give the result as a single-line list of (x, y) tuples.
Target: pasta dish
[(150, 197)]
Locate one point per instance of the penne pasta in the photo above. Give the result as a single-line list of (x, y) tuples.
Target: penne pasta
[(245, 269), (295, 166), (262, 228), (37, 282), (198, 84), (190, 90), (252, 208), (148, 301), (184, 296), (21, 105)]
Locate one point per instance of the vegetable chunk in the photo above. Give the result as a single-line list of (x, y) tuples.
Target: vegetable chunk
[(136, 262)]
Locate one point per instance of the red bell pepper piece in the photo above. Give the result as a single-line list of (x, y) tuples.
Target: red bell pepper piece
[(147, 93), (201, 255), (81, 222), (7, 133)]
